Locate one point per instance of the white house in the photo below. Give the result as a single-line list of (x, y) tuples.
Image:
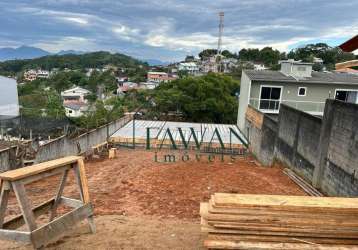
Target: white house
[(259, 66), (191, 67), (31, 74), (9, 102), (76, 94), (75, 110)]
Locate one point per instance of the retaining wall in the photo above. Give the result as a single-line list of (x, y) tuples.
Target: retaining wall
[(322, 151), (65, 146)]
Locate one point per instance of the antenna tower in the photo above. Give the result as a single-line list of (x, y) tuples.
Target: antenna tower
[(221, 30)]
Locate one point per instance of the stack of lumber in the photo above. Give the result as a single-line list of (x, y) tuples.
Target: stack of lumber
[(235, 221)]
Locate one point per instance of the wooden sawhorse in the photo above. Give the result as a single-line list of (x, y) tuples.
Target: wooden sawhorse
[(57, 227)]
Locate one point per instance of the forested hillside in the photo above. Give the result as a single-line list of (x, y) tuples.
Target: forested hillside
[(89, 60)]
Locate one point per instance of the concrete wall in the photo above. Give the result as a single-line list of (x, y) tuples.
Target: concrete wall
[(65, 146), (337, 173), (261, 131), (297, 140), (245, 86), (322, 151)]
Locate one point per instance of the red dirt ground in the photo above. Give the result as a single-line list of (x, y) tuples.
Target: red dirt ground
[(134, 184), (153, 197)]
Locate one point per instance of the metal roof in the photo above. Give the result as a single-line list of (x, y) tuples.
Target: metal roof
[(204, 131), (317, 77)]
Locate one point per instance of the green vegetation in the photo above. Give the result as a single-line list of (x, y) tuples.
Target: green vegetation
[(211, 98), (329, 55), (73, 62)]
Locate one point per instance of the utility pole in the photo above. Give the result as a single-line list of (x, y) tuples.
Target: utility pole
[(221, 30)]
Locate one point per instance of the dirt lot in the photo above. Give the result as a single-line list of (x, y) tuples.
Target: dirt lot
[(143, 204)]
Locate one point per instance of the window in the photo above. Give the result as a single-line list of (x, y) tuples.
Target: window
[(302, 91), (347, 95), (270, 98)]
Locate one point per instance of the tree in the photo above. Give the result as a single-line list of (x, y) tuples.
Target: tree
[(210, 98), (205, 54)]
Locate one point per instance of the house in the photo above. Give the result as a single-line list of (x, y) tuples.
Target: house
[(148, 85), (191, 67), (227, 64), (210, 65), (76, 94), (32, 75), (259, 66), (9, 102), (75, 109), (295, 85), (159, 77), (43, 74)]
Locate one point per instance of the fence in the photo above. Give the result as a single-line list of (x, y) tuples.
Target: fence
[(65, 146)]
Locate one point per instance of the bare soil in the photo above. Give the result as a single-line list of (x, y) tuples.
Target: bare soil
[(143, 204)]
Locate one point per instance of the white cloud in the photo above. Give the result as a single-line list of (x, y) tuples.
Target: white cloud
[(76, 20), (68, 43)]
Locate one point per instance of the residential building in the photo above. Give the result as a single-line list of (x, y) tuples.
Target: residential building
[(75, 109), (159, 77), (148, 85), (76, 94), (259, 66), (32, 75), (9, 102), (43, 74), (295, 85), (210, 65), (191, 67), (227, 64)]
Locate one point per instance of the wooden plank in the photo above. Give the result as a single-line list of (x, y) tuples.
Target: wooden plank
[(83, 181), (60, 226), (19, 221), (283, 213), (286, 239), (4, 198), (24, 204), (46, 174), (14, 235), (53, 212), (244, 245), (302, 203), (246, 230), (71, 202), (21, 173)]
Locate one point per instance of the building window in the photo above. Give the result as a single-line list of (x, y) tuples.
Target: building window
[(302, 91)]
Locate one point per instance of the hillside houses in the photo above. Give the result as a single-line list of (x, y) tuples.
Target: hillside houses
[(31, 75)]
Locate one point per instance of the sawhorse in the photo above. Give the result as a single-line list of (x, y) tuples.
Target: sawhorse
[(56, 227)]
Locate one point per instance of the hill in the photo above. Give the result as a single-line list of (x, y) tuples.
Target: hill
[(70, 61), (23, 52)]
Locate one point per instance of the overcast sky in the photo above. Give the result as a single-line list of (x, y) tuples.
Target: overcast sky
[(168, 29)]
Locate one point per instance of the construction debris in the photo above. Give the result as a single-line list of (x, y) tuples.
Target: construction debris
[(309, 189), (237, 221)]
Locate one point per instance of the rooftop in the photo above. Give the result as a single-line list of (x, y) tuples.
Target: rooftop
[(317, 77)]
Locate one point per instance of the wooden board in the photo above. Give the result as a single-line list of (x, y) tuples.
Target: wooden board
[(60, 226), (293, 203), (286, 239), (244, 245), (21, 173)]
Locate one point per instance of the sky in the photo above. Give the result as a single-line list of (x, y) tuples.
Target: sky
[(168, 30)]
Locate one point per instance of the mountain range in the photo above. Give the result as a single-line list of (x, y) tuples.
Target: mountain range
[(27, 52)]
